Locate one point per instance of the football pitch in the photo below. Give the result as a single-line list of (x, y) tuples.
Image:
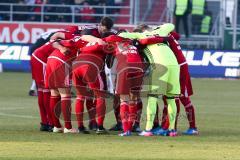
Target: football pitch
[(217, 105)]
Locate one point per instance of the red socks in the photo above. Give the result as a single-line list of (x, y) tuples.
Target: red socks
[(101, 110), (188, 108), (165, 120), (189, 111), (178, 111), (42, 109), (46, 99), (66, 111), (128, 113), (124, 113), (55, 106), (91, 107), (132, 114), (79, 109)]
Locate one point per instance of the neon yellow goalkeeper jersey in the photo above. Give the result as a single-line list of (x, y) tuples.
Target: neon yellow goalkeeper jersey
[(157, 53)]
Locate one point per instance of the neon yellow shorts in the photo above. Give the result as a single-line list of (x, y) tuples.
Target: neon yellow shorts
[(164, 80)]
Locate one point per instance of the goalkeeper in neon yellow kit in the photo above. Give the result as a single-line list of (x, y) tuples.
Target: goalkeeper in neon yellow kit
[(164, 76)]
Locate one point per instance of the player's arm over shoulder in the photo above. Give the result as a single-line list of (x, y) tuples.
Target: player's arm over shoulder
[(90, 38), (164, 30), (130, 35), (61, 35), (153, 40)]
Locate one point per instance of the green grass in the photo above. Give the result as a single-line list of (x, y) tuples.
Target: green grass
[(217, 107)]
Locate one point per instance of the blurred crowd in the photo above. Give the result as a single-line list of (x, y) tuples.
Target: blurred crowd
[(64, 12)]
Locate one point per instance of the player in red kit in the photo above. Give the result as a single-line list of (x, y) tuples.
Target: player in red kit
[(38, 64), (138, 103), (130, 71), (86, 69), (86, 75), (74, 46), (98, 31), (186, 85), (58, 80), (44, 38)]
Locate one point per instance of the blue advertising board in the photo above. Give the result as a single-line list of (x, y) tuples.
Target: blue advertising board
[(15, 57), (213, 63), (202, 63)]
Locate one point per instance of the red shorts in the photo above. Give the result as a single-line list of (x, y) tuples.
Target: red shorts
[(87, 80), (38, 70), (58, 73), (129, 80), (185, 81), (130, 72)]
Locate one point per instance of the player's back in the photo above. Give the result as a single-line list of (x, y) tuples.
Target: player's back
[(94, 49), (44, 51), (160, 53)]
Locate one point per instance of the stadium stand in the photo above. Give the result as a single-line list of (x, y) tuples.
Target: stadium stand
[(127, 12), (156, 7)]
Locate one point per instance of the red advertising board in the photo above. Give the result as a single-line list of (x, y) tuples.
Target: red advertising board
[(24, 32)]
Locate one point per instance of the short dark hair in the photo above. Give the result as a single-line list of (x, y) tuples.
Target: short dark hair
[(107, 22), (142, 27)]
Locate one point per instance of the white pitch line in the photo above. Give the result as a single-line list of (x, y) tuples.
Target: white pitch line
[(18, 116)]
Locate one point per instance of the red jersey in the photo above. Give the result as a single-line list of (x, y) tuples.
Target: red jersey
[(127, 50), (43, 52), (91, 54), (173, 44), (73, 44), (94, 54), (126, 54), (152, 40), (175, 47), (124, 47)]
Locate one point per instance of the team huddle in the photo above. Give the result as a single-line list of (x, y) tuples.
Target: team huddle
[(147, 62)]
